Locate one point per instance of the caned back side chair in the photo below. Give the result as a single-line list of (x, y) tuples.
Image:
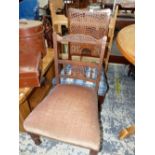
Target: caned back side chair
[(69, 112)]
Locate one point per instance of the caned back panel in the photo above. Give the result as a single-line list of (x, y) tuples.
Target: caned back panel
[(94, 24), (90, 23)]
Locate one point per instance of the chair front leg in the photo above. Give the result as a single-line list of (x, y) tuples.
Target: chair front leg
[(100, 102), (101, 99), (35, 138), (93, 152)]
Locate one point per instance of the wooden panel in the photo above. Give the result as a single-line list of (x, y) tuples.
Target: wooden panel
[(24, 93), (39, 93), (47, 61), (51, 73), (21, 129), (24, 111)]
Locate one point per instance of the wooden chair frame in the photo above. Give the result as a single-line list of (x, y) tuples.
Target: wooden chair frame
[(57, 20), (110, 36), (82, 40)]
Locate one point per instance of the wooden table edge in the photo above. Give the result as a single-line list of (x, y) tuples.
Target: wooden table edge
[(124, 53)]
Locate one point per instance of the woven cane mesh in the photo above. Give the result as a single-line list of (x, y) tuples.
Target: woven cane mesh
[(94, 24), (85, 22)]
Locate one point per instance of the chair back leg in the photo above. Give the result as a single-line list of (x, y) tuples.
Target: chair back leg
[(93, 152), (35, 138)]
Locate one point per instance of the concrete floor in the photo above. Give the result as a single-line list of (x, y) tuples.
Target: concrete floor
[(115, 50)]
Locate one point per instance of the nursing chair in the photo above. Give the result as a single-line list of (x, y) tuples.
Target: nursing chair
[(69, 112), (57, 19)]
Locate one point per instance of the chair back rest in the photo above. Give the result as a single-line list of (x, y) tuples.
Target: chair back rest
[(90, 23), (78, 67), (85, 22)]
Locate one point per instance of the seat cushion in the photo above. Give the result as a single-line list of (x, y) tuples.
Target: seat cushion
[(69, 113)]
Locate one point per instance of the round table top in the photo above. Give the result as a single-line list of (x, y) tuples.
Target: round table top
[(126, 42)]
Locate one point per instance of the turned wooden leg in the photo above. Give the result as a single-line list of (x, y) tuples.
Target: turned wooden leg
[(100, 99), (127, 132), (93, 152), (35, 138), (100, 102)]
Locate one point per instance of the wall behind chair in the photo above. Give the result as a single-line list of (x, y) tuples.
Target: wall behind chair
[(42, 3)]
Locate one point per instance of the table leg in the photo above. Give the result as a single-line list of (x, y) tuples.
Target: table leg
[(127, 132), (131, 71)]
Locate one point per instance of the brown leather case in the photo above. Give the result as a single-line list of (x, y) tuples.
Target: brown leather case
[(29, 69), (31, 36)]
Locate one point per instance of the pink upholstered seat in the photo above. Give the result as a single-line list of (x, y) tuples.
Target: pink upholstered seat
[(69, 113)]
